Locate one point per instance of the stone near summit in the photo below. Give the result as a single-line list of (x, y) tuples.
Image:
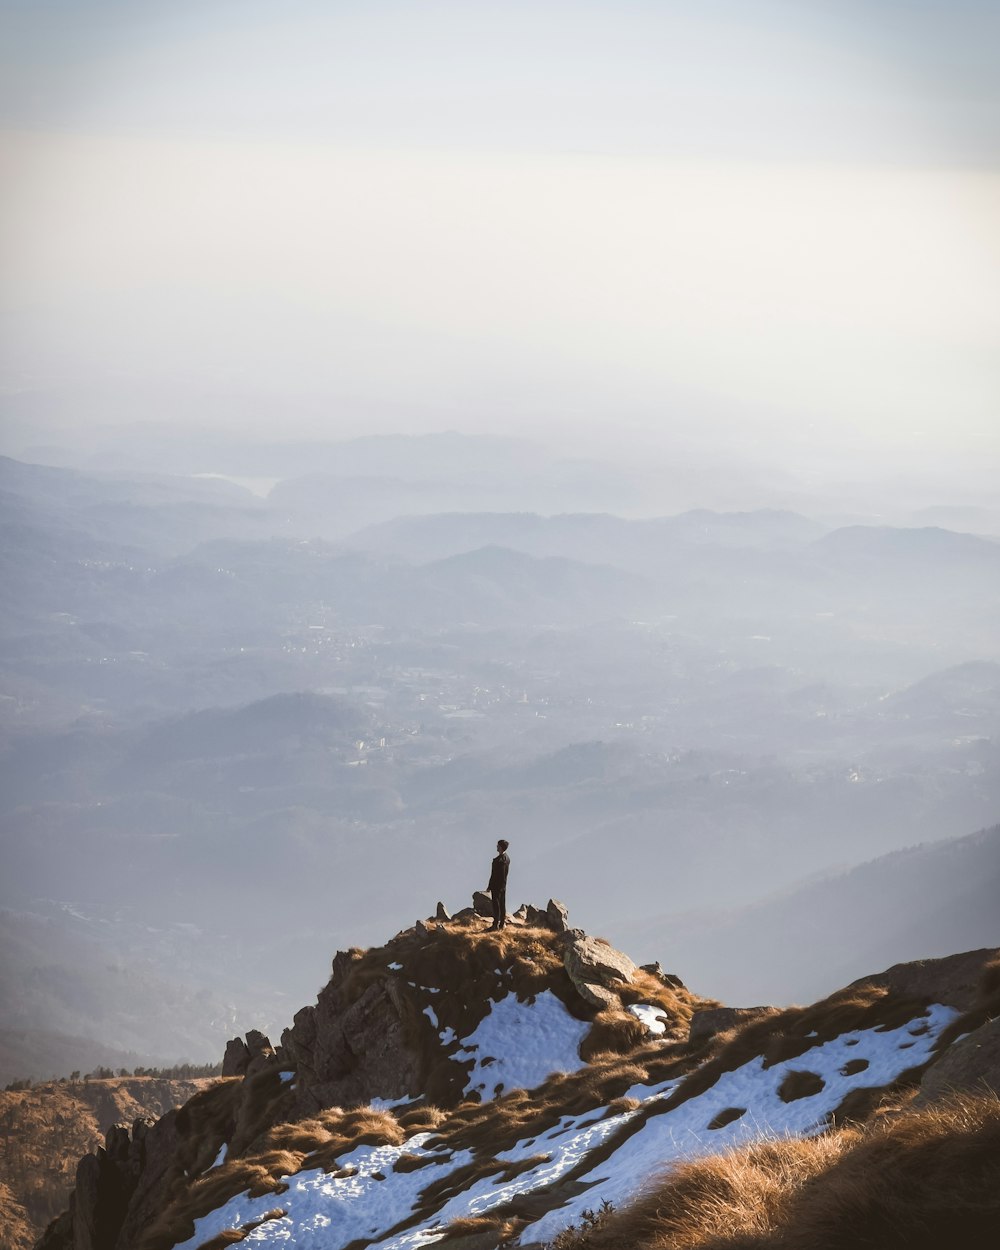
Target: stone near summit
[(483, 904), (442, 913), (655, 969), (558, 915), (592, 963)]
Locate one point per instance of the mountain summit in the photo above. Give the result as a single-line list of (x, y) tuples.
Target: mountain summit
[(534, 1087)]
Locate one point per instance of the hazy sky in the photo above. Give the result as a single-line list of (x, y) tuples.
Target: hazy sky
[(755, 224)]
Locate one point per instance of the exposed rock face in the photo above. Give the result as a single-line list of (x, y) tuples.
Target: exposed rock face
[(483, 904), (442, 913), (953, 980), (705, 1024), (245, 1058), (258, 1044), (347, 1053), (236, 1059), (106, 1182), (557, 915), (595, 968), (970, 1065)]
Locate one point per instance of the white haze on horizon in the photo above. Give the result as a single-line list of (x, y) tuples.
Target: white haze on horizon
[(764, 227)]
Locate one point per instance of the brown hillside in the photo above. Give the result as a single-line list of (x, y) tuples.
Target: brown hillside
[(908, 1180), (44, 1131)]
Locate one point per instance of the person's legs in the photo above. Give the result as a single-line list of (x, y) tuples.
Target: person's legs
[(500, 908)]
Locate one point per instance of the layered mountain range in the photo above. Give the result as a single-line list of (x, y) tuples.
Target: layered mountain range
[(698, 724)]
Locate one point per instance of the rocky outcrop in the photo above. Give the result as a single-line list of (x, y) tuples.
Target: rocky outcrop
[(706, 1024), (595, 968), (106, 1182), (236, 1059), (482, 904), (557, 915), (348, 1051), (245, 1058), (953, 980), (970, 1065)]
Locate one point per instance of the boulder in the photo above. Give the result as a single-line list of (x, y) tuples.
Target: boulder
[(522, 912), (535, 917), (482, 904), (557, 915), (591, 962), (598, 996), (706, 1024), (420, 929), (971, 1065), (442, 913)]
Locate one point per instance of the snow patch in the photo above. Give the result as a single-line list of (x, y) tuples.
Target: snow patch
[(649, 1016), (517, 1045)]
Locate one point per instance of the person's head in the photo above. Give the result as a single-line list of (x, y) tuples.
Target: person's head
[(502, 845)]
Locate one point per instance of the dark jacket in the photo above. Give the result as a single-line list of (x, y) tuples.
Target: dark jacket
[(498, 874)]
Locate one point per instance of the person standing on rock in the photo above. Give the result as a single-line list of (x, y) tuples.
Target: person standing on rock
[(497, 887)]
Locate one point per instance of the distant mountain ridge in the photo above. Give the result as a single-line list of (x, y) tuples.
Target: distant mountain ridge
[(925, 900)]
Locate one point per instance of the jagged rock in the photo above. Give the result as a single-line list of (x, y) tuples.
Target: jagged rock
[(236, 1058), (483, 904), (421, 929), (970, 1065), (442, 913), (557, 915), (342, 963), (668, 978), (705, 1024), (592, 963), (258, 1044), (347, 1053), (535, 917), (155, 1147), (522, 912), (106, 1182)]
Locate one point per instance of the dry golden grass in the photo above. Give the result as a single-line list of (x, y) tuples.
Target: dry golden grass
[(44, 1131), (613, 1033), (925, 1180)]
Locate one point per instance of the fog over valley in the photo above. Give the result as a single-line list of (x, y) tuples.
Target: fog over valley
[(238, 734)]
